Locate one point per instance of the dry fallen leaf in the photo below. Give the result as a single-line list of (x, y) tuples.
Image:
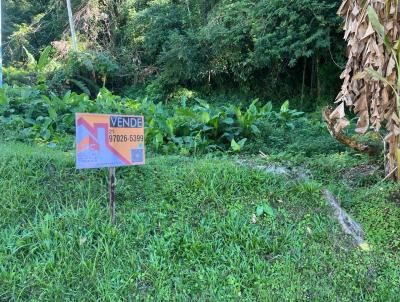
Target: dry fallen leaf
[(365, 247), (83, 240)]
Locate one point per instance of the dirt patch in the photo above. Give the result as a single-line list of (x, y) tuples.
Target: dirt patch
[(363, 171), (298, 173), (395, 197)]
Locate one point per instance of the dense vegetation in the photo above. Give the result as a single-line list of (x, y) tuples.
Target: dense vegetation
[(34, 115), (266, 49), (219, 82)]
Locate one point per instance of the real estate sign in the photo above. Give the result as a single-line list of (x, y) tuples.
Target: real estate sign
[(109, 140)]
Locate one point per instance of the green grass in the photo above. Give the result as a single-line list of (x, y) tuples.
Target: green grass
[(185, 232)]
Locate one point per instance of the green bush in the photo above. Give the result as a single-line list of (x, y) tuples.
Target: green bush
[(84, 72), (19, 76), (202, 126), (33, 114)]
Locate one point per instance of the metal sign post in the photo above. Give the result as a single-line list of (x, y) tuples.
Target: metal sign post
[(112, 193), (72, 25)]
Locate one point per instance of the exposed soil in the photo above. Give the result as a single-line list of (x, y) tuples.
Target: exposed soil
[(361, 171)]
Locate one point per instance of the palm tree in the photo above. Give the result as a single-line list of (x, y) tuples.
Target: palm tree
[(371, 86)]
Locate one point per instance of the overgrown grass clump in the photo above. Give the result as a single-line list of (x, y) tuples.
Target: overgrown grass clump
[(188, 229)]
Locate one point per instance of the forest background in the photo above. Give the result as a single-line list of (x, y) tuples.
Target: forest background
[(272, 50)]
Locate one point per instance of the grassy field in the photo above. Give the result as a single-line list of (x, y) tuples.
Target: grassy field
[(193, 229)]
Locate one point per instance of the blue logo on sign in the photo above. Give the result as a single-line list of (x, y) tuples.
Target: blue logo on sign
[(137, 155)]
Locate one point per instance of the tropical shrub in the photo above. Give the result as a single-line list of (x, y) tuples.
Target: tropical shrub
[(201, 127), (32, 114), (85, 72), (32, 71), (286, 116)]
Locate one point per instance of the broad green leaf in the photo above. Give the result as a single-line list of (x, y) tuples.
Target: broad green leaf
[(285, 106), (45, 133), (52, 113), (203, 103), (259, 211), (44, 58), (159, 138), (242, 142), (205, 117), (265, 209), (267, 108), (255, 129), (269, 211), (170, 126), (228, 121), (183, 101), (67, 96), (31, 60), (235, 146)]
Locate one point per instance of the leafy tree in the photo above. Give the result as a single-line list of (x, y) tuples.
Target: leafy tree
[(256, 46)]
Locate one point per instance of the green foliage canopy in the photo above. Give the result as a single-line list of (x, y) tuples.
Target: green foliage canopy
[(218, 44)]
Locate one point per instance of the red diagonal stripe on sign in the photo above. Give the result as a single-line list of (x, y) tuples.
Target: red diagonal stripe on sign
[(93, 131)]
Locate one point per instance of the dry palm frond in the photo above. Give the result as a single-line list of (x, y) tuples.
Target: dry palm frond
[(371, 72)]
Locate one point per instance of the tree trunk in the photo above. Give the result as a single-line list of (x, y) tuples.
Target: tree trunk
[(312, 76), (349, 142), (318, 79), (303, 83)]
